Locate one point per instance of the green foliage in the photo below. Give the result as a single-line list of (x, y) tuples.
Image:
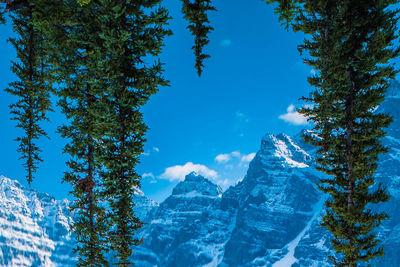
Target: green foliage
[(95, 52), (286, 10), (90, 226), (196, 13), (350, 48), (32, 88), (68, 46), (83, 2), (97, 55), (129, 32)]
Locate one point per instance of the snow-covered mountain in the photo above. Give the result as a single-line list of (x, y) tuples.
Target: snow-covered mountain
[(34, 228), (270, 218)]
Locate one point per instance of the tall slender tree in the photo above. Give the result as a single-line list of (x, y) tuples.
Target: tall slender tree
[(32, 88), (73, 60), (131, 31), (350, 47)]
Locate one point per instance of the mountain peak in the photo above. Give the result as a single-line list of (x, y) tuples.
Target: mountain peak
[(196, 184), (282, 151), (194, 176)]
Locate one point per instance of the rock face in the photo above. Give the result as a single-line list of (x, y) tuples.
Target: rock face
[(189, 228), (270, 218), (274, 202)]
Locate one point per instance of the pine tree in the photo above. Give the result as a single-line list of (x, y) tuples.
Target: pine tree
[(32, 87), (130, 32), (70, 42), (350, 47), (195, 12)]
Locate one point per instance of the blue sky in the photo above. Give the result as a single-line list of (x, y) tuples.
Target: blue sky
[(213, 124)]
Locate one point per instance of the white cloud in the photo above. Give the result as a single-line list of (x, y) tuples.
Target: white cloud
[(156, 149), (223, 158), (226, 43), (148, 174), (178, 172), (248, 158), (235, 154), (293, 117), (146, 154)]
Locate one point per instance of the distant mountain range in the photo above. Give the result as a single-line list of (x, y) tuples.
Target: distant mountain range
[(270, 218)]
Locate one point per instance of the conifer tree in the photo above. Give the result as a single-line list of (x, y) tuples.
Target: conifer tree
[(71, 41), (350, 47), (130, 31), (90, 225), (32, 88), (195, 12)]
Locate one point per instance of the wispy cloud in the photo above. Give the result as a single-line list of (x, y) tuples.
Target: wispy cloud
[(248, 157), (223, 158), (226, 43), (235, 154), (148, 152), (293, 117), (148, 174), (151, 176), (178, 172)]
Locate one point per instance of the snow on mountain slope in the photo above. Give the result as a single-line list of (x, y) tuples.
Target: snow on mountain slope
[(275, 202), (34, 227)]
